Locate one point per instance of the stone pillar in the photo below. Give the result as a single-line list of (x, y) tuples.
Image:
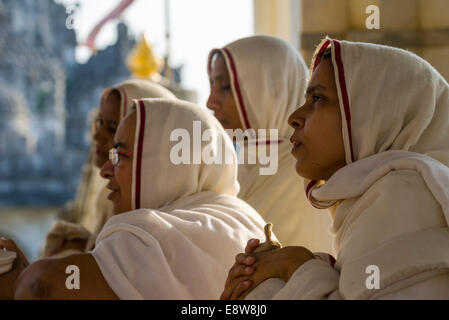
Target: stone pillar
[(421, 26), (319, 18), (433, 22), (278, 18)]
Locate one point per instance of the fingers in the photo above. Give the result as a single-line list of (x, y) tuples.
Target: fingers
[(226, 295), (236, 288), (252, 245), (244, 258), (240, 289), (237, 274), (240, 271), (10, 245)]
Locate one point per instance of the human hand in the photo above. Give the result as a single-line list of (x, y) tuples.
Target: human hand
[(252, 268)]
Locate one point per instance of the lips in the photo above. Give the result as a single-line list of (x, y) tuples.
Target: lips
[(113, 195), (296, 143), (115, 191), (112, 187)]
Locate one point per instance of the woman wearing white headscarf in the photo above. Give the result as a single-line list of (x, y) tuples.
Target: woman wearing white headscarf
[(256, 83), (176, 228), (91, 209), (389, 200)]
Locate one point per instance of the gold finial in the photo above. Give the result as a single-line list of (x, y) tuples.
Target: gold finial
[(142, 62)]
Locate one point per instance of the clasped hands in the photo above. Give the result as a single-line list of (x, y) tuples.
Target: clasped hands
[(251, 268)]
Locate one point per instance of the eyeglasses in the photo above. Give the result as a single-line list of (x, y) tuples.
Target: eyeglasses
[(114, 155)]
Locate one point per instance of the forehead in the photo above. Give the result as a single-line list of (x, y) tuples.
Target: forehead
[(126, 130), (110, 106), (324, 73), (218, 66)]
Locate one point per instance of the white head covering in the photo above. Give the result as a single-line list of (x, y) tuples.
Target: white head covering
[(153, 165), (138, 89), (268, 80), (129, 90), (183, 245), (390, 100)]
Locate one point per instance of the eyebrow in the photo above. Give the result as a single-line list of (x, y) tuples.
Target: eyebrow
[(99, 116), (315, 88), (218, 77)]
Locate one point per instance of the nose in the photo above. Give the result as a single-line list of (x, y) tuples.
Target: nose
[(98, 136), (212, 102), (295, 120), (107, 171)]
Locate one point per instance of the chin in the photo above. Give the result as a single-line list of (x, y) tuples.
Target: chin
[(304, 173), (117, 208)]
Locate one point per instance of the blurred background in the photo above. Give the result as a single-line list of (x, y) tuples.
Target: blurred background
[(57, 56)]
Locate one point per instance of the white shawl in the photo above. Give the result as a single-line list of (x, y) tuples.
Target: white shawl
[(268, 80), (188, 224), (390, 203)]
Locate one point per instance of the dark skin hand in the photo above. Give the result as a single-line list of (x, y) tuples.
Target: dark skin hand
[(251, 268)]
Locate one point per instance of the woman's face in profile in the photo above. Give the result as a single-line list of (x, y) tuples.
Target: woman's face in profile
[(120, 174), (318, 140), (221, 100), (106, 125)]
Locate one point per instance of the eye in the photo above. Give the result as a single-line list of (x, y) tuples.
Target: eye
[(98, 122), (316, 98), (112, 129), (225, 87)]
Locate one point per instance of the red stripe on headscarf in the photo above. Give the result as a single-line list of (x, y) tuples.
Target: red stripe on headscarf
[(309, 186), (320, 54), (344, 93), (237, 87), (139, 152)]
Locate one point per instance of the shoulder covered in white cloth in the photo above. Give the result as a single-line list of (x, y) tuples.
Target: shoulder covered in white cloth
[(175, 253), (406, 240)]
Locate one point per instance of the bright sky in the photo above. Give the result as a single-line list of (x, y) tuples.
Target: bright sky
[(197, 26)]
